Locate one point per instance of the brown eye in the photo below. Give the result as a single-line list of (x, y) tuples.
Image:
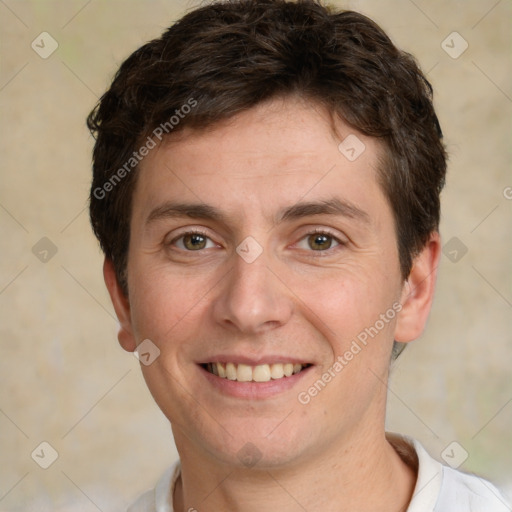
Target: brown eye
[(193, 242), (320, 241)]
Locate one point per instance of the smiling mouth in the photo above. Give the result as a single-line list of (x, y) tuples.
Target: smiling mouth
[(260, 373)]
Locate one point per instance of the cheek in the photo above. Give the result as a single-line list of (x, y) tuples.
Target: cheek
[(345, 299), (162, 302), (347, 308), (356, 318)]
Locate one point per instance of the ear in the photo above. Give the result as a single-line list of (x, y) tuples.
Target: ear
[(418, 292), (121, 306)]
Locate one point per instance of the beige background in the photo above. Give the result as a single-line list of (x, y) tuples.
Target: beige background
[(65, 380)]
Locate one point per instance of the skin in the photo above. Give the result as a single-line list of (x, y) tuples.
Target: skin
[(291, 302)]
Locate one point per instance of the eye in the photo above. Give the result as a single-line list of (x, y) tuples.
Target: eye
[(193, 241), (318, 241)]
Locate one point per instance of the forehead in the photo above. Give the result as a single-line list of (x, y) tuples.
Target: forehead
[(269, 157)]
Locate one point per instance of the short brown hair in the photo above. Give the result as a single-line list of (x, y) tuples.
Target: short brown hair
[(229, 56)]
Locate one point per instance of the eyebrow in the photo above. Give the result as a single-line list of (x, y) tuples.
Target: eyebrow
[(192, 210), (334, 206)]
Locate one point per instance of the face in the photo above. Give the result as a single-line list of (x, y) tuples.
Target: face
[(263, 264)]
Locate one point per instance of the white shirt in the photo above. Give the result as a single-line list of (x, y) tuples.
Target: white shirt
[(438, 488)]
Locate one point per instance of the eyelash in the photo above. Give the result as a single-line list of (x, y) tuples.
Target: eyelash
[(191, 232), (318, 231), (325, 232)]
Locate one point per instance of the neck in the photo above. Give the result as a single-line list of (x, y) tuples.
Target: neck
[(366, 475)]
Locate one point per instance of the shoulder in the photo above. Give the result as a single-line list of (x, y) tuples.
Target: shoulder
[(462, 491), (440, 488), (144, 503), (159, 499)]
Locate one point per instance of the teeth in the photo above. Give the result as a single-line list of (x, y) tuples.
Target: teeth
[(277, 371), (221, 369), (260, 373), (230, 371), (244, 373)]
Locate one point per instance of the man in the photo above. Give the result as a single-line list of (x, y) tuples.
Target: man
[(266, 192)]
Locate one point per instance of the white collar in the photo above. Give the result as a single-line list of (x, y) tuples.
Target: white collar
[(426, 491), (430, 472)]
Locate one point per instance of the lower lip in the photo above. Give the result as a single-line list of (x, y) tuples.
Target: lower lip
[(254, 390)]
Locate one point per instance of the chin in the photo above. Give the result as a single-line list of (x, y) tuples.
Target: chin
[(257, 443)]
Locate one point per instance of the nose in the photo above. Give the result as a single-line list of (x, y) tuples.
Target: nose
[(252, 299)]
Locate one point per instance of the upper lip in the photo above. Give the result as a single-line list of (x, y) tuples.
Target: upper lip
[(253, 361)]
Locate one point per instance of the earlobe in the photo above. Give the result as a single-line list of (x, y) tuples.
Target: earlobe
[(121, 306), (418, 292)]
